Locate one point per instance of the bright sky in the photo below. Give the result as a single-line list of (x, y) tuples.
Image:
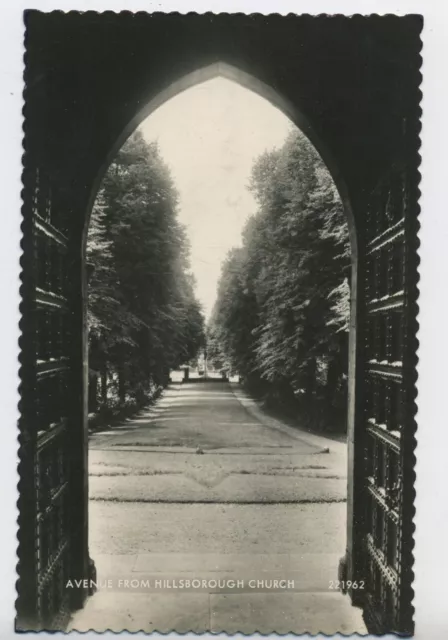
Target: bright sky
[(209, 135)]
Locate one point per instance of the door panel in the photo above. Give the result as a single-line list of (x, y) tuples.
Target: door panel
[(386, 388), (45, 562)]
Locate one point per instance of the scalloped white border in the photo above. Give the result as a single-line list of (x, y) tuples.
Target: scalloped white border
[(431, 565)]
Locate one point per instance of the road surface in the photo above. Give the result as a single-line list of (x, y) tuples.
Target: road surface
[(205, 487)]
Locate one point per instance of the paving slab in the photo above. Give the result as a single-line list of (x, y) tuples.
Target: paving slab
[(118, 611), (140, 528), (201, 485), (283, 613)]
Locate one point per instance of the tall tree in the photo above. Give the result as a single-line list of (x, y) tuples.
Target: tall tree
[(283, 298), (144, 318)]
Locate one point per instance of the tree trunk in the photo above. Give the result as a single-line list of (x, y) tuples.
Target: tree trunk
[(121, 385), (93, 393), (104, 386), (310, 378), (332, 379)]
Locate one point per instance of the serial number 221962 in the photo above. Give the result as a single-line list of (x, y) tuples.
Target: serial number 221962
[(346, 584)]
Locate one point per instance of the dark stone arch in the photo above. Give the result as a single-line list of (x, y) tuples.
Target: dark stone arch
[(221, 69), (299, 119)]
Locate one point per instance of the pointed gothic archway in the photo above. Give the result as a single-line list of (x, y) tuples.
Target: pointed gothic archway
[(88, 76), (298, 118)]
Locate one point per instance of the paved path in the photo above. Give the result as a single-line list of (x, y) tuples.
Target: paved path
[(205, 487)]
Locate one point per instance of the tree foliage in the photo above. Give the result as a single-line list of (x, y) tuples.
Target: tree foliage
[(281, 316), (143, 316)]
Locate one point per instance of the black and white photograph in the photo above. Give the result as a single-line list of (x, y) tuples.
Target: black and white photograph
[(218, 351)]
